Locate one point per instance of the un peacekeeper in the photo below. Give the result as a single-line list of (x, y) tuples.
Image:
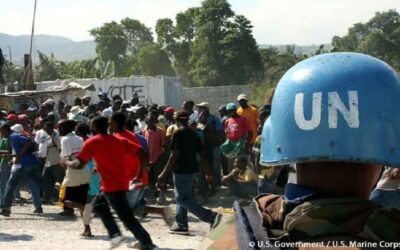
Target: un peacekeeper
[(335, 121)]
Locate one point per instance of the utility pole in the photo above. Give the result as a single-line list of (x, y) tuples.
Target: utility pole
[(29, 78), (9, 51)]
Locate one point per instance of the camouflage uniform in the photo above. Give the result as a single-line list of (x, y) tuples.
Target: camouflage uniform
[(318, 217), (222, 237), (311, 131), (315, 219)]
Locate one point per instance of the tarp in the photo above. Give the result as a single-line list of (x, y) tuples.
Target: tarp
[(63, 86)]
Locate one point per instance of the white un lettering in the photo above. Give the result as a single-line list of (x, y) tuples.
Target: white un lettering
[(335, 105)]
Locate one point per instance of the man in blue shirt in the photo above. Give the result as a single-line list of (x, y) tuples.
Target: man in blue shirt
[(214, 136), (26, 165)]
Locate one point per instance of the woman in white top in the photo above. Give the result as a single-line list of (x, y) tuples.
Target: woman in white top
[(76, 181)]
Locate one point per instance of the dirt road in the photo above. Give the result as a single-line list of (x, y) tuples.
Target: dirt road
[(49, 231)]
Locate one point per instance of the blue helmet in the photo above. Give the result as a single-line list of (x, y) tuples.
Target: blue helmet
[(335, 107)]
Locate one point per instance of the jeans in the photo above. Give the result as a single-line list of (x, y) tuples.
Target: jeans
[(386, 198), (185, 201), (267, 185), (214, 160), (216, 166), (34, 180), (155, 169), (52, 175), (242, 189), (203, 186), (136, 201), (35, 192), (119, 202), (5, 171)]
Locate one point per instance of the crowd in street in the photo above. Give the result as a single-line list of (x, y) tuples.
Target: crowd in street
[(113, 153), (110, 153), (98, 155)]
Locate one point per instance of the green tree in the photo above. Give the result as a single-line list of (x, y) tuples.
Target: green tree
[(178, 40), (49, 68), (111, 41), (120, 42), (207, 58), (210, 45), (152, 60), (136, 35), (379, 37), (89, 68), (240, 51), (275, 65), (12, 73)]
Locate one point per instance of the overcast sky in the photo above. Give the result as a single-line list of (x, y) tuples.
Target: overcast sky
[(275, 21)]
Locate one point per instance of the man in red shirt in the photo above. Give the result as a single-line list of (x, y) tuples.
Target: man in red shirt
[(138, 172), (111, 155), (156, 140), (237, 127), (238, 134), (135, 161)]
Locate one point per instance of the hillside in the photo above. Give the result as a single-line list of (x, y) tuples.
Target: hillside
[(66, 49), (299, 50), (63, 48)]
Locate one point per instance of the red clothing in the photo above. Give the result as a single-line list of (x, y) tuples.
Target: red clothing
[(133, 160), (236, 128), (144, 180), (24, 121), (155, 141), (110, 154), (145, 177)]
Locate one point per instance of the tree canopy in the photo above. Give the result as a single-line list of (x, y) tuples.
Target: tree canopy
[(210, 45), (207, 46), (379, 37), (120, 42), (151, 60)]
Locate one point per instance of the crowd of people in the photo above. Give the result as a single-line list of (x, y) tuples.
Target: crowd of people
[(117, 153), (122, 155)]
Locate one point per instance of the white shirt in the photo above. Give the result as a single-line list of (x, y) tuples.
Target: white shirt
[(141, 125), (107, 112), (53, 150), (41, 138), (387, 183), (71, 144)]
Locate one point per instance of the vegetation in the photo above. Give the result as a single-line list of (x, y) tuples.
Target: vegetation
[(207, 46), (379, 37)]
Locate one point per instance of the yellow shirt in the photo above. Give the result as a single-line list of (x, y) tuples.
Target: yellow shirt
[(267, 172), (160, 125), (248, 176), (251, 114), (171, 130)]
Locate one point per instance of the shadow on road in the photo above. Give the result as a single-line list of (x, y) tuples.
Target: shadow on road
[(11, 237), (48, 216)]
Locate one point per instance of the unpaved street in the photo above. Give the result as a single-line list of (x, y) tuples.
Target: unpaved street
[(27, 231)]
